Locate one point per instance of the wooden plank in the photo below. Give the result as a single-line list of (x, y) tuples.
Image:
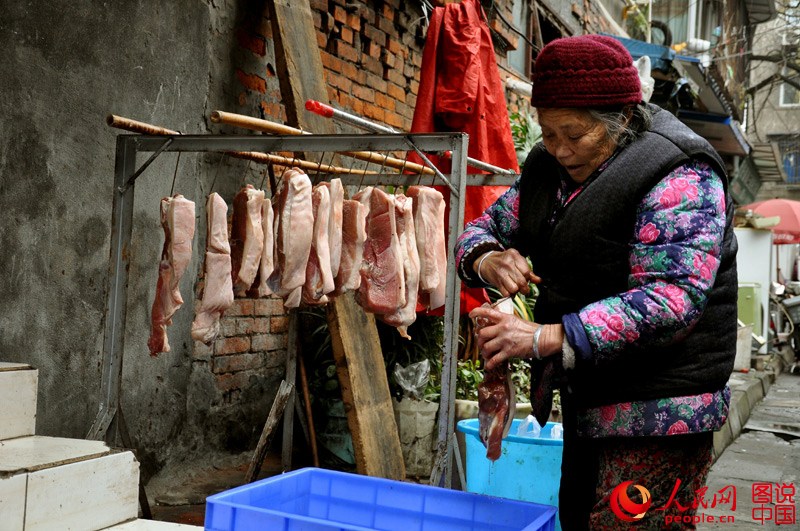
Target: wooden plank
[(291, 378), (365, 390), (18, 388), (361, 371), (297, 57), (92, 494), (278, 407)]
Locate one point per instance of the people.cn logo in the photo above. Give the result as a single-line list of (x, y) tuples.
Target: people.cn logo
[(626, 509)]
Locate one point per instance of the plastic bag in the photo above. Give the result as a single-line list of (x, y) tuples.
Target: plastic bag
[(413, 379), (648, 83), (557, 432), (529, 427)]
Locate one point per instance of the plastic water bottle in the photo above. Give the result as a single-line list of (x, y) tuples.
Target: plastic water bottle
[(529, 427), (557, 431)]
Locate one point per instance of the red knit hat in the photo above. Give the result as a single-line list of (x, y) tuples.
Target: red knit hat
[(585, 71)]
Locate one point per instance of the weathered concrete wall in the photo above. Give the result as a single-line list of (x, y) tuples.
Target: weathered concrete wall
[(66, 65)]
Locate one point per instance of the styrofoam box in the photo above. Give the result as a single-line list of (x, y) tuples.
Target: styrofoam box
[(317, 499)]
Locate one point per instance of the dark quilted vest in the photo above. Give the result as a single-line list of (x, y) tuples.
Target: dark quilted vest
[(585, 258)]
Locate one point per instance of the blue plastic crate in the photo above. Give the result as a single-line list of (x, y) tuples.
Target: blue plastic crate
[(314, 499)]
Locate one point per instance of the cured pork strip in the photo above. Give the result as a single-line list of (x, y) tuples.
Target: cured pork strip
[(406, 314), (218, 288), (319, 279), (177, 220), (293, 234), (335, 225), (382, 287), (496, 400), (354, 220), (247, 238), (267, 264), (429, 210), (495, 409)]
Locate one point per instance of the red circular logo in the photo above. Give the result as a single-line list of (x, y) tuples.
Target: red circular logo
[(626, 509)]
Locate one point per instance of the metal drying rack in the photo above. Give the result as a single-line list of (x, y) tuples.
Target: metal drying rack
[(126, 172)]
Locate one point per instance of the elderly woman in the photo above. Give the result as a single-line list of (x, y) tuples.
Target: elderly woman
[(624, 215)]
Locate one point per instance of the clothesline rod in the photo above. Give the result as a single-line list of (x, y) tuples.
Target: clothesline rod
[(267, 126), (264, 158), (328, 111), (429, 142), (395, 179), (136, 126)]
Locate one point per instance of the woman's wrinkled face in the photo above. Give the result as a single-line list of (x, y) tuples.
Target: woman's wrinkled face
[(579, 142)]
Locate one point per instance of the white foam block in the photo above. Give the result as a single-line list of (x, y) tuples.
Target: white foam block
[(37, 452), (92, 494), (12, 501), (18, 387)]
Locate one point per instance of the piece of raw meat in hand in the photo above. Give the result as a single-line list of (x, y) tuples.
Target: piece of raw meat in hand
[(495, 409), (218, 284), (177, 220), (496, 399)]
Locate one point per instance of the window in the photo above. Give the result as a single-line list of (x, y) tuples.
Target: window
[(789, 149), (519, 59), (673, 13), (790, 95)]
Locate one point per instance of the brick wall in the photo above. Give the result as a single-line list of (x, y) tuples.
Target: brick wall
[(371, 52), (252, 341)]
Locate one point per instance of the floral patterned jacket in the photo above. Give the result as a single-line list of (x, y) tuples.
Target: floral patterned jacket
[(674, 257)]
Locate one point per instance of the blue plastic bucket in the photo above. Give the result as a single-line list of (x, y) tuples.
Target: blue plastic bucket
[(529, 469)]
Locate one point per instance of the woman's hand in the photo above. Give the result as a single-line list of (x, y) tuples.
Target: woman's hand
[(508, 271), (502, 336), (505, 336)]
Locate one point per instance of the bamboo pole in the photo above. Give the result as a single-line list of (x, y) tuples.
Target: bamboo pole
[(137, 127), (265, 158), (266, 126)]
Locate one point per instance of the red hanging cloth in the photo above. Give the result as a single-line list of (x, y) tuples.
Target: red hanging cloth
[(460, 90)]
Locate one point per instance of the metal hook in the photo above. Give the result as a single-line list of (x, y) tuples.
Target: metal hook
[(175, 174), (216, 173), (244, 176)]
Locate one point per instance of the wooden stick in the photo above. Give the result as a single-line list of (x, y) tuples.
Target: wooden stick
[(275, 414), (312, 434), (265, 158), (137, 127), (266, 126)]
